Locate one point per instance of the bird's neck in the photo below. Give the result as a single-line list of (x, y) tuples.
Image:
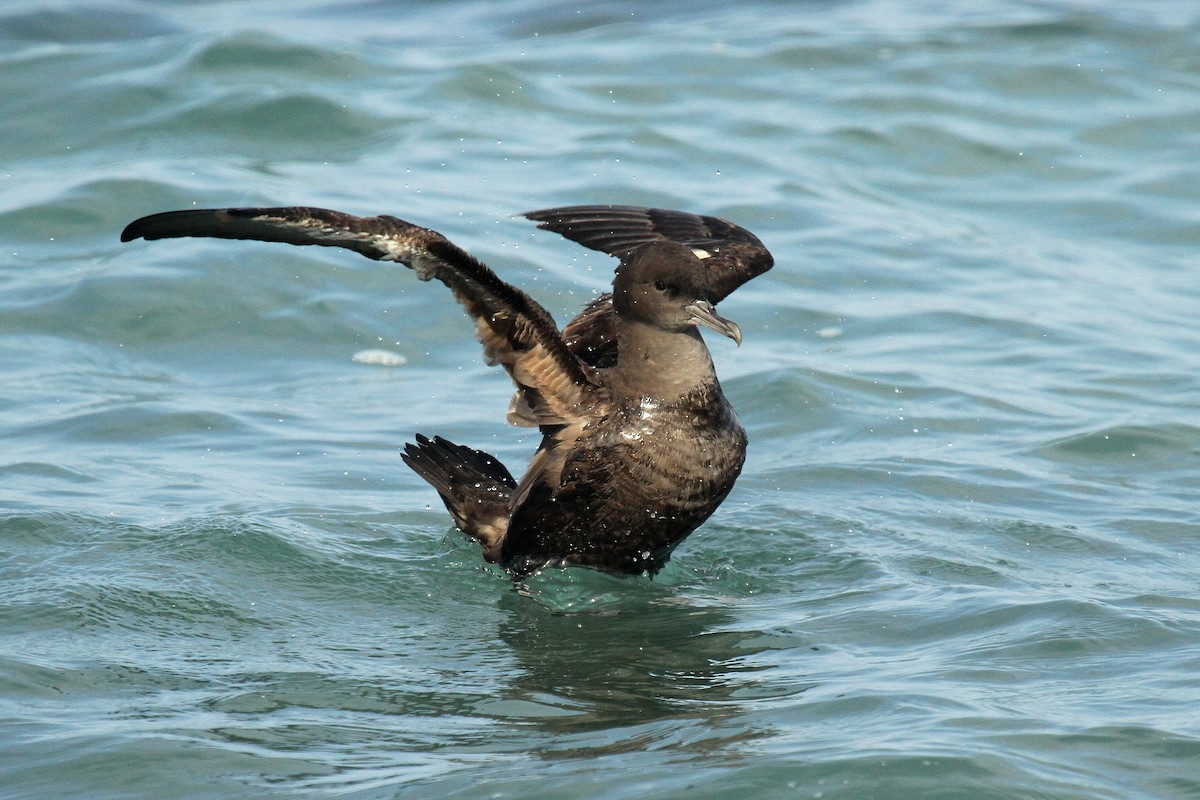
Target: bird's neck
[(663, 365)]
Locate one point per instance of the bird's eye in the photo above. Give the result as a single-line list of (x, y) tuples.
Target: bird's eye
[(662, 287)]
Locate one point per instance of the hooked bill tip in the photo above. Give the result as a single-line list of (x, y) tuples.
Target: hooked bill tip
[(704, 314)]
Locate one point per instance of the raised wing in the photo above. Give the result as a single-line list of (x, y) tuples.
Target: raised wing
[(554, 387), (592, 335), (733, 255)]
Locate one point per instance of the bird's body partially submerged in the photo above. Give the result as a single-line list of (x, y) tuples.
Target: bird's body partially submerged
[(639, 444), (632, 486)]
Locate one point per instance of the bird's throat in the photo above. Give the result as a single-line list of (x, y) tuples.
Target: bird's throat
[(664, 365)]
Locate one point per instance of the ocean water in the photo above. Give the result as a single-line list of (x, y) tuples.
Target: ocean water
[(963, 558)]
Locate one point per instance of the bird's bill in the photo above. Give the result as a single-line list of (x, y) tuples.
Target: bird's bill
[(704, 314)]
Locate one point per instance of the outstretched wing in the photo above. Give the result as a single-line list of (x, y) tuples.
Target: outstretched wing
[(732, 254), (554, 387)]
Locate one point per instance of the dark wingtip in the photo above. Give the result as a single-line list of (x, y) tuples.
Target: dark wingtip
[(549, 216), (150, 227), (132, 231), (538, 216), (188, 222)]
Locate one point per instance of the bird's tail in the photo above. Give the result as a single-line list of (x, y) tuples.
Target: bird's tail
[(475, 487)]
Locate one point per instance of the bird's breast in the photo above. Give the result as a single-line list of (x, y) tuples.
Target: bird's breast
[(695, 447)]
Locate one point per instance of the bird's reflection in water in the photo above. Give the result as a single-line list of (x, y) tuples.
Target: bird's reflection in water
[(611, 664)]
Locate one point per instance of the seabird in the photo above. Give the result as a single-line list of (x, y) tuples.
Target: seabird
[(639, 445)]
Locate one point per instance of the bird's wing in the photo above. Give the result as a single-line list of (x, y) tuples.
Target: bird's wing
[(592, 335), (731, 254), (554, 387)]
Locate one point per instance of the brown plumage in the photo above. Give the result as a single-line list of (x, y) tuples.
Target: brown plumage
[(639, 445)]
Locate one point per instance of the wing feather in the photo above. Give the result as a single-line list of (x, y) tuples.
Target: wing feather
[(554, 386), (732, 254)]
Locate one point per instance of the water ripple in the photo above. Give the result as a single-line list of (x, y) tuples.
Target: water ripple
[(960, 559)]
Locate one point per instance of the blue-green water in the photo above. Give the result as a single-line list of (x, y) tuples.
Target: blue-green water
[(962, 560)]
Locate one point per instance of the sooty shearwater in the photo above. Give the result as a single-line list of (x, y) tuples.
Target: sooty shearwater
[(639, 445)]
